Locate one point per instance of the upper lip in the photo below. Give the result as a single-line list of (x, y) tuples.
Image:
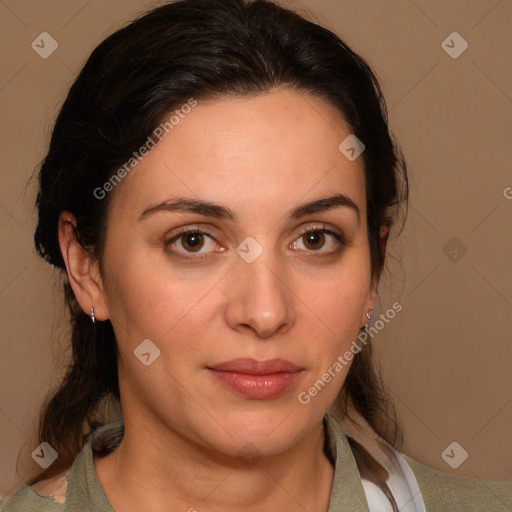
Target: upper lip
[(254, 367)]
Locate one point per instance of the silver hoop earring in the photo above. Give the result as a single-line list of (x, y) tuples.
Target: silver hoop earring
[(93, 316)]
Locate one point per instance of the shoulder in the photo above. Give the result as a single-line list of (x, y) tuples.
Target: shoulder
[(444, 491), (54, 488), (74, 489), (44, 495)]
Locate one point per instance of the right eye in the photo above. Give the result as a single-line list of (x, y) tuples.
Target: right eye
[(192, 240)]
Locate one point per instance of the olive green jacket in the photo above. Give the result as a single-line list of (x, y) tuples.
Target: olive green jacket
[(441, 492)]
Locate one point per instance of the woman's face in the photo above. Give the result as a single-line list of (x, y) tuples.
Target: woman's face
[(252, 286)]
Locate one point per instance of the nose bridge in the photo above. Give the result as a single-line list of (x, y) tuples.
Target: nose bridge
[(259, 297)]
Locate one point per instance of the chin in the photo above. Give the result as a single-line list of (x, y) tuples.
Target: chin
[(261, 432)]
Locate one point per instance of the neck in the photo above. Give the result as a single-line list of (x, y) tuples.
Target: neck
[(156, 469)]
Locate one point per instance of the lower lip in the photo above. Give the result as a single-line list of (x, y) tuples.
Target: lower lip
[(258, 387)]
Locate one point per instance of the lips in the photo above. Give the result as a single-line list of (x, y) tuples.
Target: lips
[(257, 379), (253, 367)]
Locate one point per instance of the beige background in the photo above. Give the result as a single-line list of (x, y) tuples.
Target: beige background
[(447, 356)]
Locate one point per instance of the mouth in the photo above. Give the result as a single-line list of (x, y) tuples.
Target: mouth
[(258, 380)]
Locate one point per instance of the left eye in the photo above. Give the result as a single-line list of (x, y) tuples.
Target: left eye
[(315, 239)]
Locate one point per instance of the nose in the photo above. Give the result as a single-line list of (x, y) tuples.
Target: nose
[(259, 298)]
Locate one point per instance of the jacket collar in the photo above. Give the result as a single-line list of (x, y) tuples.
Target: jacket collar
[(347, 491)]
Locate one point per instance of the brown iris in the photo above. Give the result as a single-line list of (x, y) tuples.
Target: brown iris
[(192, 241), (316, 239)]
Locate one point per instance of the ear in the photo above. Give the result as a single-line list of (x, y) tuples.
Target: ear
[(82, 269), (372, 297)]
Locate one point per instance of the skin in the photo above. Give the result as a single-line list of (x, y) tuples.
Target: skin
[(260, 156)]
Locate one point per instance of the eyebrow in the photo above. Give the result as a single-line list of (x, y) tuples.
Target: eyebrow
[(209, 209)]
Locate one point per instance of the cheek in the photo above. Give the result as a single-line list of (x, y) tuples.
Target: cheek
[(174, 315), (149, 300), (337, 304), (339, 298)]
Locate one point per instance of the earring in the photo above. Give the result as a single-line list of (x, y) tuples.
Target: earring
[(368, 318), (93, 316)]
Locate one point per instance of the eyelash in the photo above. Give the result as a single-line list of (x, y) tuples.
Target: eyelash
[(314, 229)]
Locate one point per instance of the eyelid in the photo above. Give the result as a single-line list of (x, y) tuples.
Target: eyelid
[(306, 229), (321, 227), (187, 229)]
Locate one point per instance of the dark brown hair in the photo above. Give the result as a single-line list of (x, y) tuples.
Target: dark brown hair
[(203, 49)]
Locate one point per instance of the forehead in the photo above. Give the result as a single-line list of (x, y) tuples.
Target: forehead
[(267, 151)]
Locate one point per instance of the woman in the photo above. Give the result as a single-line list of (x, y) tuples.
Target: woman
[(220, 187)]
